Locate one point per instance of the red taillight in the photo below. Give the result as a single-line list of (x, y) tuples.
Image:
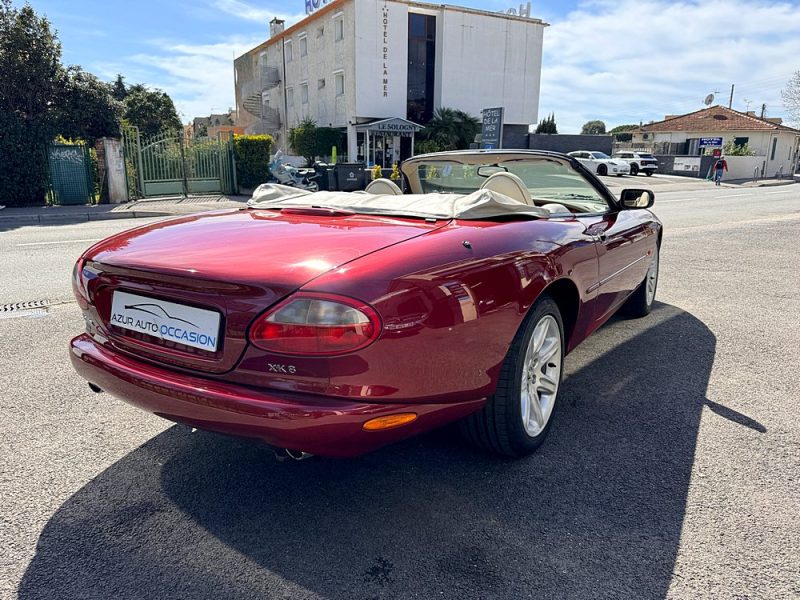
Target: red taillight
[(316, 324), (78, 285)]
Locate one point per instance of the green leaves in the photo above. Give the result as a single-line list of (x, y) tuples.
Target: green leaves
[(449, 129), (593, 128), (252, 159), (309, 141), (152, 111), (547, 125)]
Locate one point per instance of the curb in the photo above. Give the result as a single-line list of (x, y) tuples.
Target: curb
[(80, 218)]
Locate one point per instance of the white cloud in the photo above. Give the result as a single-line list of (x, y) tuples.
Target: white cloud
[(247, 11), (626, 61), (198, 77)]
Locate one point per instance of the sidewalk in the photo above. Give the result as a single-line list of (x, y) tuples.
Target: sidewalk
[(152, 207)]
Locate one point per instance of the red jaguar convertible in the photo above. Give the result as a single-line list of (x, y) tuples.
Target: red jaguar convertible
[(334, 323)]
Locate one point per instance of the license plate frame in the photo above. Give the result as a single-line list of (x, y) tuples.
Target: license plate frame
[(165, 320)]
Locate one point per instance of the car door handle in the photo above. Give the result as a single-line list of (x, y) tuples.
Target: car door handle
[(601, 235)]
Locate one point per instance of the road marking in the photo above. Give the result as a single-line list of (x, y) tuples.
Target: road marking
[(733, 195), (59, 242), (735, 224)]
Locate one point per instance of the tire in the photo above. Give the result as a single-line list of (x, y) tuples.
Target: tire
[(602, 170), (649, 173), (634, 169), (641, 301), (509, 424)]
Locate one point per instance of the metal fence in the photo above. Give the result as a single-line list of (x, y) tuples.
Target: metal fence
[(172, 163)]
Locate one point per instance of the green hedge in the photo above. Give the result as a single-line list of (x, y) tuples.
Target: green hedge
[(23, 169), (252, 159)]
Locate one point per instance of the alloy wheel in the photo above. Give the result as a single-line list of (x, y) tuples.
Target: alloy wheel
[(541, 375)]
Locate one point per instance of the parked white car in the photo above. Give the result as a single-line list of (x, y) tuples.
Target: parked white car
[(601, 163), (640, 162)]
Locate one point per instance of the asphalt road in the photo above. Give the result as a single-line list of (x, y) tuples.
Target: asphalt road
[(671, 470)]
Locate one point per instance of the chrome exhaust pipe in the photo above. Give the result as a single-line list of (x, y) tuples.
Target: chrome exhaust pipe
[(283, 453), (96, 389)]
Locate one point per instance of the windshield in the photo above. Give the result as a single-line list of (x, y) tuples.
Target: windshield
[(548, 181), (599, 155)]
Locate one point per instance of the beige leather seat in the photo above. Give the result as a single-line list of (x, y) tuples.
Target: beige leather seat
[(509, 185), (383, 187)]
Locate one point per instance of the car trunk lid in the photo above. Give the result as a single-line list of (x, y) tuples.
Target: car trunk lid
[(224, 267)]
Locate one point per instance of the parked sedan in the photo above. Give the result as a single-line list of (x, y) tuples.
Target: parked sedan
[(334, 323), (601, 163)]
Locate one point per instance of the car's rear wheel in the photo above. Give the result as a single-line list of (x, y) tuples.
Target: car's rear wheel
[(516, 420), (602, 170), (634, 169), (641, 301)]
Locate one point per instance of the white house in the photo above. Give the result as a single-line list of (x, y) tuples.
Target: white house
[(775, 146), (377, 69)]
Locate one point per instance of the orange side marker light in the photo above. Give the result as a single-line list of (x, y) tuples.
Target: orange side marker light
[(389, 422)]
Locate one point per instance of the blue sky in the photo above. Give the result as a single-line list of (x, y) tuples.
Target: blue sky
[(622, 61)]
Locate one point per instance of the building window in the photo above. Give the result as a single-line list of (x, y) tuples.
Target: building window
[(320, 84), (304, 93), (740, 141), (320, 32), (304, 46), (290, 97), (287, 49), (338, 29), (421, 67), (339, 84), (774, 146)]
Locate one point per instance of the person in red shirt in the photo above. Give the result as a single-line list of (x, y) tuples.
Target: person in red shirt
[(719, 167)]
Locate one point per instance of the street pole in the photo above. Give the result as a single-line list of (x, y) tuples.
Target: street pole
[(730, 102)]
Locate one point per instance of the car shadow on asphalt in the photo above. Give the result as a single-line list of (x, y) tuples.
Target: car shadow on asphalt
[(596, 512)]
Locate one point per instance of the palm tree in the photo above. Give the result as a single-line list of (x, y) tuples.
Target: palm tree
[(451, 129)]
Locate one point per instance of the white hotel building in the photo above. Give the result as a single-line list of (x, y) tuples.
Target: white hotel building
[(377, 69)]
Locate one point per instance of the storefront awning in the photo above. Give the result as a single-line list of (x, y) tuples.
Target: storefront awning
[(393, 126)]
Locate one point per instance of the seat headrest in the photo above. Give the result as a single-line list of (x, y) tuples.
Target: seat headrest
[(509, 185), (383, 187)]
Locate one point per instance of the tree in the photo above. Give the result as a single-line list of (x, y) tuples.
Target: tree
[(86, 108), (732, 149), (593, 128), (30, 63), (791, 97), (152, 111), (451, 129), (327, 138), (547, 125), (622, 133), (119, 91), (303, 139)]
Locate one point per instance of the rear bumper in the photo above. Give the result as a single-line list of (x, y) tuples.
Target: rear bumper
[(318, 425)]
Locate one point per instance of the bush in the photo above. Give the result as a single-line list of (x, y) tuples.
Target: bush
[(252, 159), (24, 174)]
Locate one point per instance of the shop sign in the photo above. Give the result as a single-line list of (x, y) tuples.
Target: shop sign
[(312, 5), (492, 128), (385, 48), (524, 11), (710, 142)]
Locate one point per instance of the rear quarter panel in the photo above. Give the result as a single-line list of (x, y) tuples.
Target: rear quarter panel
[(451, 302)]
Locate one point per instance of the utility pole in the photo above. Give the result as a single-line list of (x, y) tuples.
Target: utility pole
[(730, 102), (763, 110)]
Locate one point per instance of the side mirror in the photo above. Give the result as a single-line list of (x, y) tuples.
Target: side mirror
[(633, 199)]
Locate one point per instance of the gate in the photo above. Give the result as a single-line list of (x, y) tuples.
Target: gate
[(174, 164), (71, 178)]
